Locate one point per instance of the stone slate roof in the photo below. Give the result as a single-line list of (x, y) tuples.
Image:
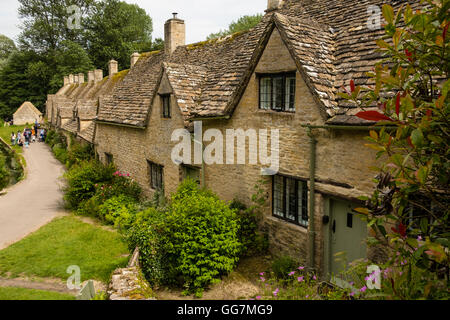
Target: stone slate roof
[(333, 44), (65, 109), (88, 133), (71, 126), (28, 105), (218, 67), (87, 109), (328, 39)]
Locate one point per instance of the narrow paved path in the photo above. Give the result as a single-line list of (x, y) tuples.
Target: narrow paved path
[(35, 201)]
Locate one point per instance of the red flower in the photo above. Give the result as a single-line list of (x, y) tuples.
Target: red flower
[(408, 55), (352, 85), (401, 230), (397, 104)]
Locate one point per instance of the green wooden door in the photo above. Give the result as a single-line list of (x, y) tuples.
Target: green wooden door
[(348, 235)]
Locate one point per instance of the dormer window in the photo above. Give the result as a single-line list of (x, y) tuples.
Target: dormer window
[(165, 105), (277, 92)]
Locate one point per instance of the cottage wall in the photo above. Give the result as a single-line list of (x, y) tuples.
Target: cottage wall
[(132, 148), (342, 158)]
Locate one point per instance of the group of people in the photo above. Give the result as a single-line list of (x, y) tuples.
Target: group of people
[(28, 136)]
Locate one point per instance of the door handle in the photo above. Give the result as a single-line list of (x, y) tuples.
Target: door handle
[(334, 226)]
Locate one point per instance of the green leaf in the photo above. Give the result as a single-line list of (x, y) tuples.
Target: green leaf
[(388, 13), (417, 137)]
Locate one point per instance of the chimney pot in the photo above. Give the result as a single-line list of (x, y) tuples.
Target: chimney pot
[(134, 58), (113, 67), (274, 5), (91, 76), (98, 75), (174, 34), (175, 15)]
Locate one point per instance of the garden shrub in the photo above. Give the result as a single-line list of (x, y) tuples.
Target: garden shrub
[(282, 266), (253, 241), (203, 234), (118, 210), (4, 173), (82, 180), (79, 152), (193, 242)]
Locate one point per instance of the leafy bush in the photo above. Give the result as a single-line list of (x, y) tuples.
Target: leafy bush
[(204, 236), (82, 180), (60, 153), (4, 173), (79, 152), (146, 232), (193, 243), (118, 210), (282, 266)]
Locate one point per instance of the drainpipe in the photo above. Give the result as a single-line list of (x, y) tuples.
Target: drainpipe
[(312, 195)]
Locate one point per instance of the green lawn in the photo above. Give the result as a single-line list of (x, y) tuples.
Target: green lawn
[(5, 134), (29, 294), (62, 243)]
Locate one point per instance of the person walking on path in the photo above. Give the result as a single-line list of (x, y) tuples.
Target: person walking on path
[(13, 138)]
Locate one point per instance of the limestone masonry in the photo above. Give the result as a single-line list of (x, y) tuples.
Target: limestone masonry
[(283, 74)]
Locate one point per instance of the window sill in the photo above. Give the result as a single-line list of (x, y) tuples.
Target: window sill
[(283, 113), (293, 226)]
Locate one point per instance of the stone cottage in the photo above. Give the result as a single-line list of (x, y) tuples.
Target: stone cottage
[(281, 76), (74, 107), (27, 114)]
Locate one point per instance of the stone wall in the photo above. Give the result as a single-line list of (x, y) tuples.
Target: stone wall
[(342, 158)]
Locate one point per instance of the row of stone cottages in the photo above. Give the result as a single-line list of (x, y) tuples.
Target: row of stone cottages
[(283, 74)]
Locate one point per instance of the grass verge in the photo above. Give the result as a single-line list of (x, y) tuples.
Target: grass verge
[(11, 293), (62, 243)]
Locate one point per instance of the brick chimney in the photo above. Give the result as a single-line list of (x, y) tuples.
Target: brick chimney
[(134, 58), (274, 5), (91, 76), (174, 34), (98, 75), (113, 67), (81, 78), (66, 80)]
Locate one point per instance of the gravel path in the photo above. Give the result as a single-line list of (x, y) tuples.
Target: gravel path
[(34, 202)]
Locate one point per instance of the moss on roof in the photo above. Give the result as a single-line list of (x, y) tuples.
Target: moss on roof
[(148, 54), (201, 44)]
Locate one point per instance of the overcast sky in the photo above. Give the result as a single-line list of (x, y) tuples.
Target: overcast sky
[(202, 16)]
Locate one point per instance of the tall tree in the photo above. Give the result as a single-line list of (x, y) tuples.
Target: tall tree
[(244, 23), (45, 23), (7, 47), (116, 30)]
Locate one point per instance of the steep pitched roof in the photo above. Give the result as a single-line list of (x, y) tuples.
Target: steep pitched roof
[(88, 133), (28, 105), (206, 77), (330, 41), (71, 126), (343, 47)]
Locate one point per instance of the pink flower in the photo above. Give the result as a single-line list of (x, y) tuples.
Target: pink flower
[(300, 279), (307, 297), (258, 298), (275, 293), (314, 277), (363, 289), (262, 279), (301, 268), (352, 294), (261, 274), (291, 273)]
